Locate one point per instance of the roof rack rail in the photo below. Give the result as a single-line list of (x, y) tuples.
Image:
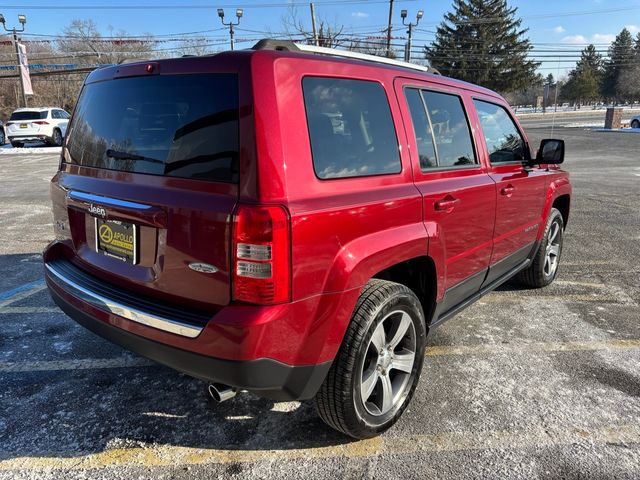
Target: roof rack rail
[(290, 46)]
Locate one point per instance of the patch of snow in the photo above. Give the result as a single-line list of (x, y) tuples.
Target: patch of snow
[(29, 148), (618, 130), (583, 125)]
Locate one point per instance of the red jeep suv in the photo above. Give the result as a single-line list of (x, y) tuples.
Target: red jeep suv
[(291, 222)]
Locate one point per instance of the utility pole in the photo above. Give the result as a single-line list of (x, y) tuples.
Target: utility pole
[(313, 24), (22, 19), (239, 13), (389, 28), (403, 14)]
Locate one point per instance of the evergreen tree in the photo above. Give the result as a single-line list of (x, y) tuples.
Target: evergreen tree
[(621, 56), (482, 41), (628, 85), (585, 79), (550, 80)]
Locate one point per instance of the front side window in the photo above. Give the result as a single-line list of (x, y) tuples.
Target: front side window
[(441, 128), (504, 142), (450, 129), (351, 129)]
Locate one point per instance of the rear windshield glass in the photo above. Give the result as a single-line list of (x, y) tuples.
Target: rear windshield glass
[(178, 126), (28, 115)]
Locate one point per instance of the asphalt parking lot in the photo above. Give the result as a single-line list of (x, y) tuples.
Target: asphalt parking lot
[(524, 384)]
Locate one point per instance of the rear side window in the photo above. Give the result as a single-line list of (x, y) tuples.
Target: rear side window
[(173, 125), (351, 129), (439, 119), (504, 142), (28, 116)]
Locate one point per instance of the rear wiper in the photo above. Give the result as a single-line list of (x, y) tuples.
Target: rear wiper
[(130, 156)]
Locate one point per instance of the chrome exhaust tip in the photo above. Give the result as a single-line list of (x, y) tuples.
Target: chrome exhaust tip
[(221, 393)]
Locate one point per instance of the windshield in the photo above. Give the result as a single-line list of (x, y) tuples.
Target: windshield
[(173, 125), (28, 115)]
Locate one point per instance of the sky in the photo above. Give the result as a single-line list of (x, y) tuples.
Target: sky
[(553, 25)]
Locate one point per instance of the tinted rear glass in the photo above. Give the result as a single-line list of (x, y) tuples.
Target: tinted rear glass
[(179, 126), (28, 115)]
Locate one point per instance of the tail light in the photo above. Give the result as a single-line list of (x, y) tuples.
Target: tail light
[(40, 122), (261, 254)]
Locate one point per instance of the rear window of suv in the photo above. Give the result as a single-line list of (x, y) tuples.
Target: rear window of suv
[(17, 116), (350, 128), (173, 125)]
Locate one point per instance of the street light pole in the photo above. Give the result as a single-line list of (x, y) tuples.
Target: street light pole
[(239, 13), (403, 14), (22, 19)]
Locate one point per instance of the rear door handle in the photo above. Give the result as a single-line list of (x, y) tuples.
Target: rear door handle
[(507, 191), (447, 204)]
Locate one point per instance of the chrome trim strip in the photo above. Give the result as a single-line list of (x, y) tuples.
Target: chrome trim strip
[(113, 202), (110, 306)]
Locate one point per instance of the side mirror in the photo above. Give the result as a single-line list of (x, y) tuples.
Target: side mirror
[(551, 152)]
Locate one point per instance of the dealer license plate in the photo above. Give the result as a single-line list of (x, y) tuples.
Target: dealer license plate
[(117, 239)]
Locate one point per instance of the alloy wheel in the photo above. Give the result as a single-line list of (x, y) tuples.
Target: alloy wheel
[(554, 246), (389, 361)]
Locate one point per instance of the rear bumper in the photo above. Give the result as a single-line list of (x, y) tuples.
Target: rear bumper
[(263, 376), (24, 138), (281, 351)]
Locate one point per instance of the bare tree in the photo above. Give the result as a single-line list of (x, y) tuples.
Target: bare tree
[(195, 46), (82, 39), (330, 34), (373, 46)]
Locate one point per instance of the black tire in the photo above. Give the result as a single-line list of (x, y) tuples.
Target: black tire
[(3, 138), (635, 124), (56, 139), (339, 402), (538, 275), (17, 144)]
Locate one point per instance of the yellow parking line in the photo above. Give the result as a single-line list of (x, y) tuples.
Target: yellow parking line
[(432, 351), (563, 298), (167, 455), (81, 364), (588, 264), (437, 351), (28, 310), (581, 284)]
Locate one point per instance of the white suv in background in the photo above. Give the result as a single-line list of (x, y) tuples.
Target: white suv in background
[(47, 124)]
